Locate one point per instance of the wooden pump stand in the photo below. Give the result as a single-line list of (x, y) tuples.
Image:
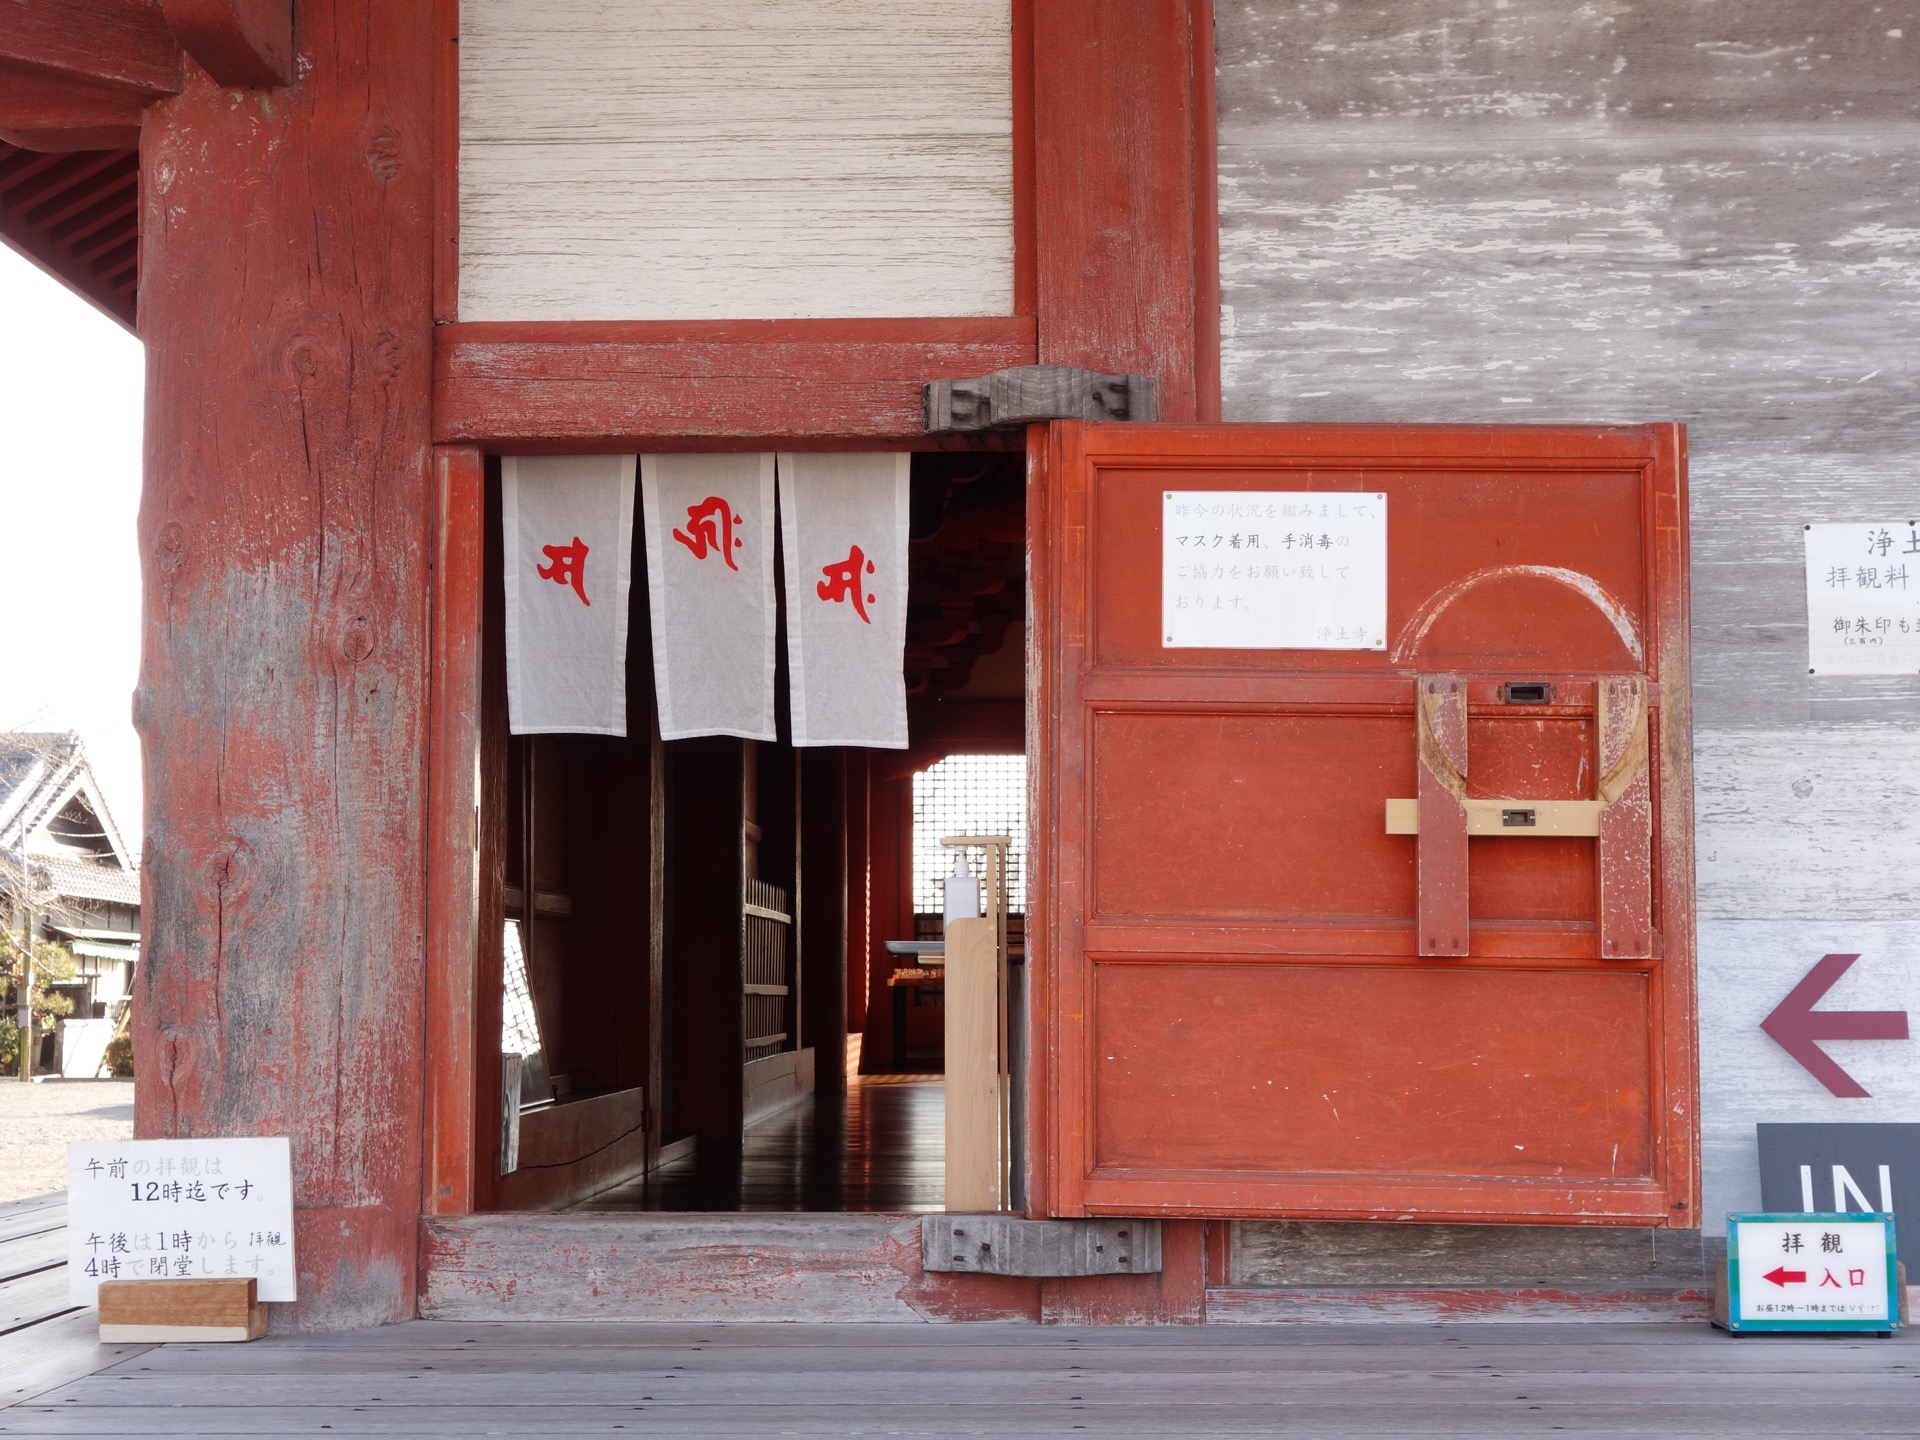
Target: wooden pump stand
[(977, 1078)]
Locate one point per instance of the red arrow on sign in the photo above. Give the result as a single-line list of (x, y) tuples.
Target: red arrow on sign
[(1782, 1276), (1795, 1025)]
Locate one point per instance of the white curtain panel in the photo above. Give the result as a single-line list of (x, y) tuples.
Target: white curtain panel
[(567, 536), (709, 523), (843, 521)]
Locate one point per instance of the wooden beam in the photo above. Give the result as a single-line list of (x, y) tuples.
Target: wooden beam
[(560, 385), (118, 44), (244, 43), (1124, 225)]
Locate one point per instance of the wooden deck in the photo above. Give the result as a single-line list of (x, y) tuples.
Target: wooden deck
[(556, 1380), (45, 1339), (562, 1379)]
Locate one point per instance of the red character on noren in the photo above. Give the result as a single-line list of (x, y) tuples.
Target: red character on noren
[(568, 566), (710, 528), (843, 582)]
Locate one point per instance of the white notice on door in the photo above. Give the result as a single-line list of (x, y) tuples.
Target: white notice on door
[(1273, 569), (1863, 599)]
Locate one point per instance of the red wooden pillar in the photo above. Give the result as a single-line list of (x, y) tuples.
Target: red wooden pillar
[(285, 298)]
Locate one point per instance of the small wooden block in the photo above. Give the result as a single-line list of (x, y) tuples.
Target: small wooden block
[(157, 1311)]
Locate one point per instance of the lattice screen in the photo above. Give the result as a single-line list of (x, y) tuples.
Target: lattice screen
[(968, 795), (519, 1026)]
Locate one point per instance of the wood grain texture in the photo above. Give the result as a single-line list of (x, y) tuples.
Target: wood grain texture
[(285, 538), (655, 159), (54, 1353), (648, 1267), (1460, 211), (538, 385), (118, 45), (1119, 104), (1341, 1381), (1746, 967), (453, 829), (1305, 1254)]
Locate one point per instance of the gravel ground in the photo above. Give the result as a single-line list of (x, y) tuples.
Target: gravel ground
[(37, 1121)]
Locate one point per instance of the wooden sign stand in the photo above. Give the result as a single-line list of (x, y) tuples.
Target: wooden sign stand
[(159, 1311), (976, 1041)]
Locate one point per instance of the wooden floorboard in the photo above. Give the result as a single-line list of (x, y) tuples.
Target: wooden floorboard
[(32, 1252), (46, 1356), (562, 1380), (33, 1217), (33, 1298), (880, 1148)]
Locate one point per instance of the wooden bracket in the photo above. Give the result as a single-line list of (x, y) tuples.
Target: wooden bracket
[(1442, 711), (1010, 1245), (1023, 394), (1620, 816), (1626, 821), (246, 44)]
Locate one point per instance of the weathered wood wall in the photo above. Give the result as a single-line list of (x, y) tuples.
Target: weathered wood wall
[(285, 294), (1521, 210), (761, 159)]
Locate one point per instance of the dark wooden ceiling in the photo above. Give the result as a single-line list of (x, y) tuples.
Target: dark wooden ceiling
[(77, 215)]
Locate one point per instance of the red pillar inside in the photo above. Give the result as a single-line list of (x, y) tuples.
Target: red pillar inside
[(286, 303)]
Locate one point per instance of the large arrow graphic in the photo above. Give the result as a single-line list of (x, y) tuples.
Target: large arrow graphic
[(1796, 1026)]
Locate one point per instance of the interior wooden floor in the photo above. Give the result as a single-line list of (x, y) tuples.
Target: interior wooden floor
[(880, 1147)]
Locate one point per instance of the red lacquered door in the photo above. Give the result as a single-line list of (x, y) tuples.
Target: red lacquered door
[(1362, 814)]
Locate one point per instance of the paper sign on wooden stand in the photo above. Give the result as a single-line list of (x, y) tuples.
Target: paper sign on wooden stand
[(1811, 1272), (186, 1237)]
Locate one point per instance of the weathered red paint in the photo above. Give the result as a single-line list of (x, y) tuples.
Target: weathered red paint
[(633, 384), (1124, 223), (1205, 971), (453, 855), (285, 541), (238, 42)]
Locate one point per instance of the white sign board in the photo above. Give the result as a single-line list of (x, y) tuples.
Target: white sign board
[(180, 1210), (1273, 570), (1810, 1272), (1863, 599)]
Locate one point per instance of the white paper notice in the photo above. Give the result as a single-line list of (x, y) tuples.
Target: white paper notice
[(1863, 599), (1273, 569), (180, 1210)]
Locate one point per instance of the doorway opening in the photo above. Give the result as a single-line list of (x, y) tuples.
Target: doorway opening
[(693, 951)]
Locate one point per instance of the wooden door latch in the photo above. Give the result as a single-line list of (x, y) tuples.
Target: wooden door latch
[(1445, 817), (1024, 394)]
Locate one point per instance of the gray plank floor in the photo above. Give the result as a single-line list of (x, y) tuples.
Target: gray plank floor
[(453, 1379), (45, 1339)]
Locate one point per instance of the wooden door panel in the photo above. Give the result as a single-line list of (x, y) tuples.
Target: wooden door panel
[(1258, 990), (1370, 1070), (1244, 816)]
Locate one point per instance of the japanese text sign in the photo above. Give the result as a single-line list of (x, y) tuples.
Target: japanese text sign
[(1863, 599), (1273, 569), (1812, 1272), (180, 1210)]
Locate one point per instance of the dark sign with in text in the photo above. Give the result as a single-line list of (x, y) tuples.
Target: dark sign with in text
[(1836, 1169)]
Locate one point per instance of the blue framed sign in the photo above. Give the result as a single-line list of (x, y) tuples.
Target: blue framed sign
[(1812, 1272)]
